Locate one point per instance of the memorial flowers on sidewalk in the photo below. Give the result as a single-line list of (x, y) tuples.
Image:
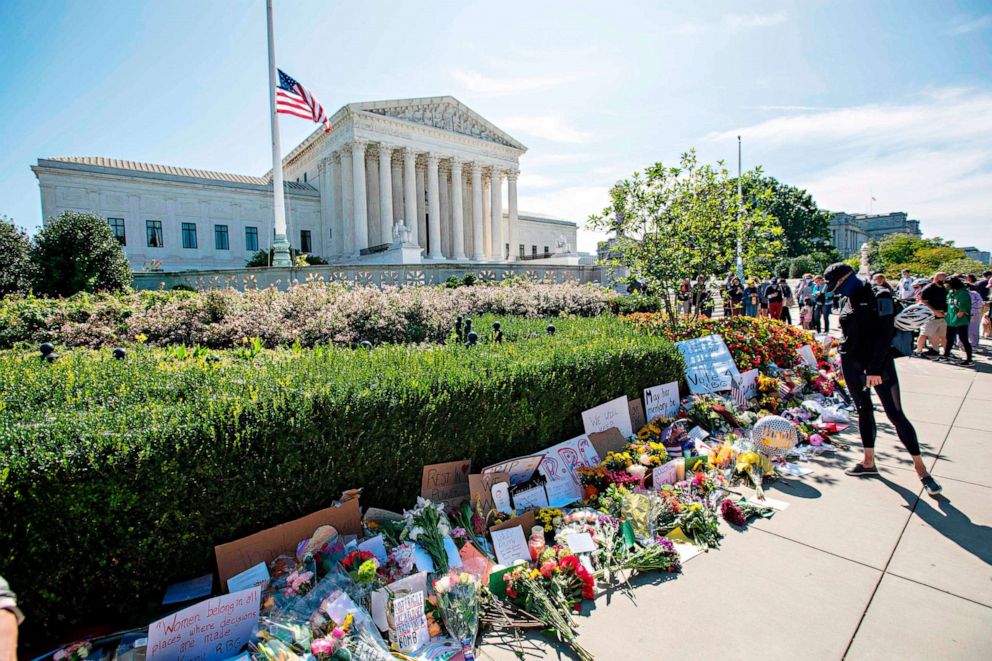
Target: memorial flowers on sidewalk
[(427, 526), (458, 599)]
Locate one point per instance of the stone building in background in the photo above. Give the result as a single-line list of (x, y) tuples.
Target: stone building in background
[(849, 231)]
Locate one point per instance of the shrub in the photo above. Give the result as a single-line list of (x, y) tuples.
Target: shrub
[(77, 252), (264, 258), (120, 476), (15, 262), (752, 341), (311, 314)]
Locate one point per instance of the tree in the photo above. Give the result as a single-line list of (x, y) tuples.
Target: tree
[(15, 262), (678, 222), (77, 252), (805, 226)]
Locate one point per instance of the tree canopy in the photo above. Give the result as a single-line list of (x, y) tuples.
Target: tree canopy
[(78, 252), (805, 226), (675, 222), (895, 252), (15, 262)]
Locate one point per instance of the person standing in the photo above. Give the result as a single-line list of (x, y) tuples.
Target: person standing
[(684, 296), (879, 280), (787, 300), (975, 326), (822, 305), (702, 300), (867, 320), (751, 297), (735, 295), (763, 297), (934, 296), (10, 619), (905, 288), (776, 299), (982, 287), (958, 318)]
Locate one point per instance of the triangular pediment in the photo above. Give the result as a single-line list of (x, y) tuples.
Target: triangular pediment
[(442, 112)]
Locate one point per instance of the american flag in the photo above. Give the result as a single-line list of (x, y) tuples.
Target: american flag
[(784, 390), (295, 99)]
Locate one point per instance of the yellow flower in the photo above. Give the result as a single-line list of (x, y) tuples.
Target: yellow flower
[(695, 507), (140, 338), (534, 574)]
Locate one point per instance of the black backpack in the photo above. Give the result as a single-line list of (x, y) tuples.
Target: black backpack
[(902, 340)]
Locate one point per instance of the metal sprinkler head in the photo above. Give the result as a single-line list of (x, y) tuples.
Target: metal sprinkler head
[(120, 353)]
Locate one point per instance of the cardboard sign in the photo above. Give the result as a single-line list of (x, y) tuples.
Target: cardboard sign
[(249, 578), (661, 401), (614, 413), (189, 590), (520, 469), (607, 441), (806, 353), (211, 630), (446, 483), (749, 383), (480, 489), (380, 598), (560, 461), (636, 410), (237, 556), (668, 473), (709, 367), (526, 521), (411, 622), (510, 545)]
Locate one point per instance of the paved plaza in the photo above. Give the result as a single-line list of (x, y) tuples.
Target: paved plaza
[(868, 568)]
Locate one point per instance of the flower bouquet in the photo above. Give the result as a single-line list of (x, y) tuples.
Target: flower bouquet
[(712, 413), (700, 524), (363, 568), (738, 513), (529, 591), (427, 525), (458, 599)]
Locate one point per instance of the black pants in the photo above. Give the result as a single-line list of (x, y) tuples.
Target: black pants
[(786, 314), (961, 333), (888, 395)]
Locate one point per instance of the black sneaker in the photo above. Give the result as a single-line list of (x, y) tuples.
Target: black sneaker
[(966, 363), (921, 355), (931, 485), (859, 470), (931, 352)]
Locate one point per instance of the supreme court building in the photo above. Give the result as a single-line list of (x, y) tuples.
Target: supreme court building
[(427, 178)]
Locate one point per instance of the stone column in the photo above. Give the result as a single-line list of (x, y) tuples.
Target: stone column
[(422, 205), (337, 227), (372, 192), (496, 211), (478, 244), (487, 226), (433, 209), (511, 221), (410, 193), (444, 197), (348, 201), (397, 188), (326, 204), (386, 193), (360, 203), (457, 209)]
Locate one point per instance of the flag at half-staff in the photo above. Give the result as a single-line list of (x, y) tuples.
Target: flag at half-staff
[(292, 98)]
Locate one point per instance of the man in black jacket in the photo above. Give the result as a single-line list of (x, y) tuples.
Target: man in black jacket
[(867, 320)]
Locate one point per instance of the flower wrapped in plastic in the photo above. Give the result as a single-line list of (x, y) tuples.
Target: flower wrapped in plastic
[(427, 525), (458, 599)]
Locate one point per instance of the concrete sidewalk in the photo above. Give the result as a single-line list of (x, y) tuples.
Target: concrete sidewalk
[(868, 568)]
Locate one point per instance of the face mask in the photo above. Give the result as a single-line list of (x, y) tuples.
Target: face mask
[(849, 286)]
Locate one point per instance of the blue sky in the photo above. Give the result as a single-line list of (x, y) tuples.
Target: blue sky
[(847, 99)]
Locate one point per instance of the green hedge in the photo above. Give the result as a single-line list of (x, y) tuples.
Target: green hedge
[(119, 477)]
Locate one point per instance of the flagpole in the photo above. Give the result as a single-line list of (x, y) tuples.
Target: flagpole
[(280, 245), (740, 256)]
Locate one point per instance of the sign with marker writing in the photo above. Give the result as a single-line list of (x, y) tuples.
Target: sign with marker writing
[(614, 413), (560, 461), (806, 353), (446, 483), (410, 622), (510, 545), (709, 367), (211, 630), (749, 383), (661, 401)]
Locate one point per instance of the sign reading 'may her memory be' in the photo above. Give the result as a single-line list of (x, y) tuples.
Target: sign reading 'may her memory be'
[(709, 367)]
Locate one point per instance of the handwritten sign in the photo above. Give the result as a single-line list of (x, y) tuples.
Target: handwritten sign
[(533, 496), (614, 413), (560, 461), (709, 367), (667, 473), (510, 545), (446, 483), (806, 353), (410, 622), (501, 497), (749, 383), (480, 489), (636, 410), (211, 630), (661, 401), (580, 542)]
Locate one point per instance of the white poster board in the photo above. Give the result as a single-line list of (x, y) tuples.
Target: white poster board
[(560, 461), (614, 413), (806, 353), (709, 367), (749, 383), (211, 630), (661, 401)]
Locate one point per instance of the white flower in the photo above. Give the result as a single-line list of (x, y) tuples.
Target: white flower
[(645, 459), (416, 532), (637, 470), (443, 585)]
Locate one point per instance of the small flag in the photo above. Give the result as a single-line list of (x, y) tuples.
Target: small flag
[(784, 390), (294, 99)]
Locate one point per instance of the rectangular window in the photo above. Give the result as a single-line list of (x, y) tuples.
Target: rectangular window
[(153, 233), (221, 241), (523, 250), (117, 227), (251, 239), (189, 235), (547, 252), (305, 241), (533, 251)]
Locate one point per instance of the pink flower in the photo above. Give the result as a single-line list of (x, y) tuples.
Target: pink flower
[(322, 647), (816, 439)]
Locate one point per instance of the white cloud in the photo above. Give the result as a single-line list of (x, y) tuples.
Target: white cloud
[(732, 23), (549, 127), (966, 25), (478, 83), (930, 156)]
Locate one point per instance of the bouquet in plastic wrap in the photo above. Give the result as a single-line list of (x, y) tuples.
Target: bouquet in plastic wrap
[(458, 599)]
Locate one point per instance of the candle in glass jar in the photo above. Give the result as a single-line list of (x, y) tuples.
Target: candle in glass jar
[(536, 542)]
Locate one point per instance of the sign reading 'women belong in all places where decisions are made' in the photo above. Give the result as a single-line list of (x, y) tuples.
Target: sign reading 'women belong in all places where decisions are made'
[(709, 367)]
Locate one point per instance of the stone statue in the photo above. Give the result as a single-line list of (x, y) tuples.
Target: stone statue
[(563, 247), (401, 233), (865, 272)]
